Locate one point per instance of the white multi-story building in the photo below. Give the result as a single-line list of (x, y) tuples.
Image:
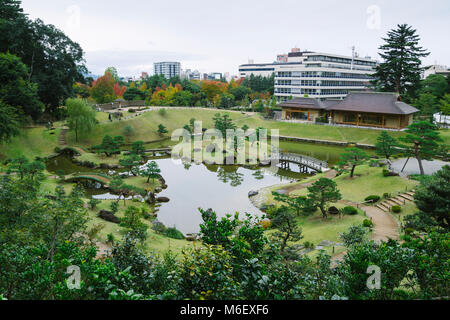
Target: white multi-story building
[(321, 75), (263, 69), (436, 69), (168, 69)]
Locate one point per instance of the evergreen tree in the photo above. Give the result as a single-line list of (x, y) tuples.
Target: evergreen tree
[(401, 68), (386, 145), (421, 141), (353, 157)]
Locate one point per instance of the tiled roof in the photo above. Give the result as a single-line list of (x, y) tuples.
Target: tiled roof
[(370, 102), (374, 103)]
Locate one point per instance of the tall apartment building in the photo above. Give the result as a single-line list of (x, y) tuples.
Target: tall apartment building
[(322, 75), (168, 69)]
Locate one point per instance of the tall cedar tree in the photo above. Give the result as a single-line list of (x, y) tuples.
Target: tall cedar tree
[(401, 69)]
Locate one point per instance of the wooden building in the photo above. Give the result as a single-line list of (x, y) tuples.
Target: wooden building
[(365, 109)]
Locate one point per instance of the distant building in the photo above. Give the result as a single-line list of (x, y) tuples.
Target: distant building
[(168, 69), (365, 109), (322, 75), (144, 75), (282, 58), (436, 69), (215, 76)]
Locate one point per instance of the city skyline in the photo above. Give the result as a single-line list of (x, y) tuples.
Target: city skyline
[(214, 37)]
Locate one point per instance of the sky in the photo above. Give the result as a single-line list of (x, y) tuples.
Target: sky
[(218, 36)]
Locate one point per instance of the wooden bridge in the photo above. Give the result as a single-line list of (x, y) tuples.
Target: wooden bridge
[(302, 161)]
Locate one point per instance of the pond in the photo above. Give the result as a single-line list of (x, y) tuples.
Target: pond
[(222, 188)]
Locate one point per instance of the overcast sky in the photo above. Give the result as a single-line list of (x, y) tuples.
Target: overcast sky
[(211, 35)]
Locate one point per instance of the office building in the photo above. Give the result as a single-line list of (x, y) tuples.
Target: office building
[(322, 75), (168, 69)]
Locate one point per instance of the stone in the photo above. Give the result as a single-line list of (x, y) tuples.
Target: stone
[(108, 216), (162, 199), (253, 193)]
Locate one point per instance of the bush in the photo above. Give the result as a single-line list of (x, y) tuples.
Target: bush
[(309, 245), (174, 233), (131, 111), (93, 203), (114, 207), (351, 211), (396, 209), (159, 227), (409, 231), (110, 238), (162, 112), (419, 221), (386, 172), (367, 223), (386, 195), (372, 199), (333, 210)]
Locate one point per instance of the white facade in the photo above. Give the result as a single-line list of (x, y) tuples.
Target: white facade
[(436, 69), (168, 69), (265, 70), (321, 75)]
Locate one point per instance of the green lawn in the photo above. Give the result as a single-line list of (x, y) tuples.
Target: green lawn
[(146, 125), (34, 142), (370, 181), (155, 242)]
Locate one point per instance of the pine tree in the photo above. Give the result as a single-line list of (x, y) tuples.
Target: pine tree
[(386, 145), (401, 69), (421, 140)]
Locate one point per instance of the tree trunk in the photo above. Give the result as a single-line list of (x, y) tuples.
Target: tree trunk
[(419, 159), (324, 212), (352, 172)]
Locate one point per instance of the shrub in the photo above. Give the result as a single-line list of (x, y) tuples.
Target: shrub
[(386, 172), (419, 221), (372, 199), (265, 224), (93, 203), (350, 211), (309, 245), (159, 227), (162, 112), (409, 231), (386, 195), (354, 235), (367, 223), (173, 233), (131, 111), (396, 209), (110, 238), (114, 207), (333, 210)]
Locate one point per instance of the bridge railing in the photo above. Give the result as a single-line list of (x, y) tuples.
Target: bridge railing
[(306, 160)]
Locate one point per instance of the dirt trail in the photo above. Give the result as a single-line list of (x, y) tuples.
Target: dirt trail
[(385, 227), (62, 138)]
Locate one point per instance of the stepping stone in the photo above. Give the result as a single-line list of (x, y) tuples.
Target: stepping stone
[(382, 208)]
